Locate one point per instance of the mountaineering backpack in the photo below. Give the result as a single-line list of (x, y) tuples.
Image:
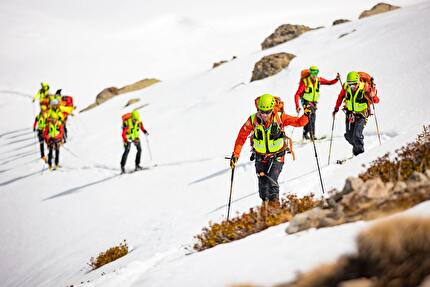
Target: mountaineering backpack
[(125, 118), (366, 78), (278, 108), (304, 74), (68, 101)]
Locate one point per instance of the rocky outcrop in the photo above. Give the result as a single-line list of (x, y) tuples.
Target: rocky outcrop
[(360, 200), (111, 92), (283, 34), (378, 9), (131, 101), (340, 21), (217, 64), (271, 65)]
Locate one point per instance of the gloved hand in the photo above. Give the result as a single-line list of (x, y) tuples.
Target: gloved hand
[(233, 161), (307, 110), (335, 111), (34, 129), (298, 109), (146, 132), (338, 76)]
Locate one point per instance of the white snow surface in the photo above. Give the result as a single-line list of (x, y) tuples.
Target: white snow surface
[(52, 222)]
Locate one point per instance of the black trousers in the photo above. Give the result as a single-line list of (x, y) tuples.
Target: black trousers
[(127, 150), (268, 172), (354, 131), (310, 126), (53, 146), (41, 142)]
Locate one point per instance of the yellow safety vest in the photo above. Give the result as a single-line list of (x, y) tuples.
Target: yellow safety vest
[(41, 121), (54, 129), (356, 102), (270, 140), (133, 131), (312, 92)]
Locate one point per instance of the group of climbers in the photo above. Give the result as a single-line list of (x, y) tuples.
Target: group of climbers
[(50, 123), (268, 140)]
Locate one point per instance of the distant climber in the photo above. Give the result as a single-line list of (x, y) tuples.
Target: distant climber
[(40, 125), (43, 95), (309, 94), (269, 144), (53, 135), (359, 93), (131, 124)]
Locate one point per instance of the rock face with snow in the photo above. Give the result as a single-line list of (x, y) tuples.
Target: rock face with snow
[(378, 9), (283, 34), (340, 21), (271, 65)]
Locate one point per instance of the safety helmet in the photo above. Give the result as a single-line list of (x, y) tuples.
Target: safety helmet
[(313, 70), (135, 115), (54, 102), (45, 86), (43, 108), (54, 117), (266, 102), (353, 77)]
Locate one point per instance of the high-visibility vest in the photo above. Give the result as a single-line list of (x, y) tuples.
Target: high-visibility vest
[(41, 121), (356, 102), (270, 140), (54, 129), (133, 131), (312, 92)]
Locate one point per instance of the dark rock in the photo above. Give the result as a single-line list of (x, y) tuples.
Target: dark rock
[(352, 184), (378, 9), (131, 101), (417, 177), (283, 34), (340, 21), (106, 94), (218, 64), (271, 65)]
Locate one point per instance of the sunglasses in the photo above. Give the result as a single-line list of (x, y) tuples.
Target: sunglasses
[(314, 72), (265, 112), (351, 84)]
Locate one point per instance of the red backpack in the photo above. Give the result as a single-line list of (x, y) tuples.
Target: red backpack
[(304, 74), (279, 104), (68, 101)]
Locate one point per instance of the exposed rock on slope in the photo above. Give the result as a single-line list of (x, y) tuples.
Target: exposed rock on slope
[(283, 34), (378, 9), (111, 92), (340, 21), (271, 65)]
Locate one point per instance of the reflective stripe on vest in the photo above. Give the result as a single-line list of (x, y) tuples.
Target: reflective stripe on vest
[(270, 140), (54, 129), (356, 102), (312, 92), (133, 131), (41, 122)]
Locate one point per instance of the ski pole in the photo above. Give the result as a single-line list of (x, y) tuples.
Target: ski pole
[(149, 148), (376, 122), (231, 190), (331, 140), (316, 157)]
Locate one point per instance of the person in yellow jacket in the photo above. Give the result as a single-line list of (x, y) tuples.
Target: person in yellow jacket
[(43, 95), (40, 123), (268, 141)]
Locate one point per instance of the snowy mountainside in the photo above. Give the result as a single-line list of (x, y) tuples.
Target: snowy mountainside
[(53, 222)]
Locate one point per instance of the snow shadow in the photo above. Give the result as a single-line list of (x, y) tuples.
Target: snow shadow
[(221, 172), (25, 95), (80, 188), (13, 132), (19, 135), (17, 157), (19, 141), (18, 178)]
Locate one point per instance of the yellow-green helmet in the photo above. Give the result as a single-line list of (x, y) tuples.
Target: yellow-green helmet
[(266, 102), (314, 70), (135, 115), (353, 77), (45, 86)]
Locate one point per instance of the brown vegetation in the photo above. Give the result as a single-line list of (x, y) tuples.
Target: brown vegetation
[(109, 255), (378, 9), (256, 220)]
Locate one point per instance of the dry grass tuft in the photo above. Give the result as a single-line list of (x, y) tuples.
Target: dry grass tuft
[(109, 255), (256, 220)]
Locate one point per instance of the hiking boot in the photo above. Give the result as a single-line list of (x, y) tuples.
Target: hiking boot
[(138, 167), (50, 167), (306, 136), (122, 170), (43, 158), (57, 166)]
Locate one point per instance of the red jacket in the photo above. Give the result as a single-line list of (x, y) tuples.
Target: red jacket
[(248, 127), (302, 88), (126, 128), (368, 92)]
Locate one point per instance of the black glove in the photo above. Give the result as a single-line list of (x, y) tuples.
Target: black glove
[(233, 161), (338, 76), (335, 111), (145, 132), (34, 129)]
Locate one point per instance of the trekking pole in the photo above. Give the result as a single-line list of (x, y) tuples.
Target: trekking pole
[(331, 140), (318, 164), (231, 190), (376, 122), (149, 148)]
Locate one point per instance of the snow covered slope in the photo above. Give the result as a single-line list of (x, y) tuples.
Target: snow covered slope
[(53, 222)]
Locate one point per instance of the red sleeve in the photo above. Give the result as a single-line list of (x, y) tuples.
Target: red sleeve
[(45, 132), (299, 93), (288, 120), (35, 123), (340, 99), (244, 132), (327, 82), (124, 133)]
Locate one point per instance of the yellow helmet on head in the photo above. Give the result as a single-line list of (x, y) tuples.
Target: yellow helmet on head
[(266, 102)]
